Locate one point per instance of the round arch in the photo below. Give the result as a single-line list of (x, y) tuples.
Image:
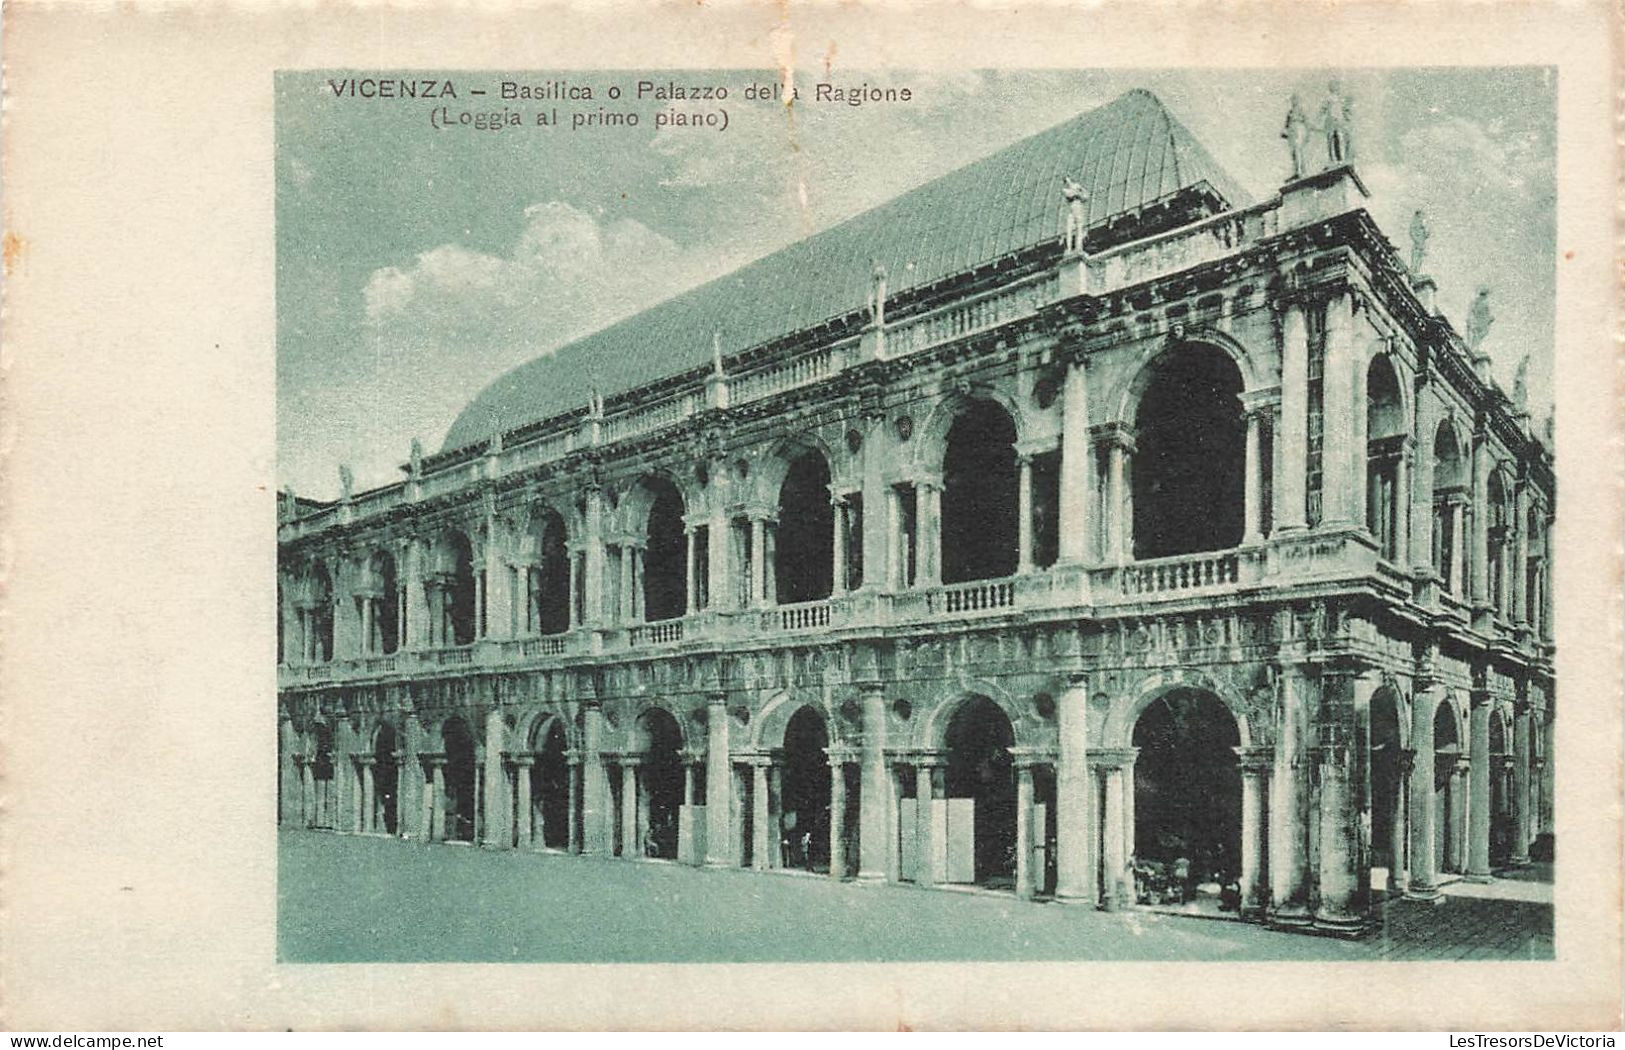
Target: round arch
[(656, 738), (1124, 398), (1187, 798), (769, 725), (1125, 713), (931, 730), (803, 553), (654, 508), (979, 519), (930, 438)]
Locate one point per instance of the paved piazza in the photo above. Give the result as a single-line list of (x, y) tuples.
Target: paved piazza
[(349, 899)]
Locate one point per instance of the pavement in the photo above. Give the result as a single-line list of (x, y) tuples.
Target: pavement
[(373, 899)]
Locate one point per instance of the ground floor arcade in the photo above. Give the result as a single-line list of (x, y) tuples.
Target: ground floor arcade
[(1343, 786)]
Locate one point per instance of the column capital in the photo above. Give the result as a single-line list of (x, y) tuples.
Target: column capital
[(432, 759), (841, 756), (1255, 760), (869, 686), (519, 758), (1115, 434), (1113, 757), (1028, 757), (364, 758), (1260, 401)]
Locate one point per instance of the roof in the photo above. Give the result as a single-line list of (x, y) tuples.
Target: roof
[(1127, 153)]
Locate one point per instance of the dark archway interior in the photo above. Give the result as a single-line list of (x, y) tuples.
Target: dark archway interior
[(1386, 788), (460, 772), (1187, 787), (1500, 795), (550, 788), (662, 781), (1189, 471), (665, 560), (804, 803), (804, 560), (979, 767), (321, 771), (979, 499), (322, 612), (388, 607), (459, 610), (550, 583), (386, 779)]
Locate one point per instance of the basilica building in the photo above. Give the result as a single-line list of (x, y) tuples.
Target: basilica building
[(1073, 525)]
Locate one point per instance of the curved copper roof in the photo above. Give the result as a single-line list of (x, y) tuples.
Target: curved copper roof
[(1127, 153)]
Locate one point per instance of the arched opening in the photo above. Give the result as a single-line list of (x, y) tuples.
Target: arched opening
[(1189, 471), (451, 591), (460, 772), (1501, 516), (1534, 610), (1385, 446), (1501, 817), (1449, 802), (550, 787), (1187, 801), (981, 795), (1387, 769), (804, 556), (380, 605), (547, 580), (320, 615), (979, 498), (386, 814), (659, 744), (322, 772), (1449, 498), (804, 801), (665, 586)]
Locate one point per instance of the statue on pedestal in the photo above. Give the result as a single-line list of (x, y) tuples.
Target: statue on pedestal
[(877, 294), (1479, 318), (415, 459), (1077, 200), (1419, 241), (1520, 385), (1337, 123), (346, 482), (716, 354), (1296, 133)]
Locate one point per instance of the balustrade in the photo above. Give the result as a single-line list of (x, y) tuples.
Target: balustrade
[(664, 633), (1194, 572)]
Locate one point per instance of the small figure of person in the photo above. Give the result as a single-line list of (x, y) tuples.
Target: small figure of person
[(1077, 199), (1296, 133)]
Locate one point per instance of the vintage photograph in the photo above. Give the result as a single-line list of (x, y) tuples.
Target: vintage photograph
[(992, 515)]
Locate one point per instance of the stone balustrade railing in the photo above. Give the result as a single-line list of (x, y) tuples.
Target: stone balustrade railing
[(1188, 573), (989, 311), (979, 596), (797, 372), (666, 632)]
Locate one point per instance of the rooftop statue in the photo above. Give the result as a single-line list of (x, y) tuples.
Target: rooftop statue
[(595, 404), (716, 354), (415, 460), (1296, 133), (1419, 241), (1337, 122), (346, 482), (1077, 200), (877, 294), (1479, 318), (1520, 385)]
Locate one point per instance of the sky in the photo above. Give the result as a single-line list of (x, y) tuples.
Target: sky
[(415, 266)]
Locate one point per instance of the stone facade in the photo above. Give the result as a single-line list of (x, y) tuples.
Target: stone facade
[(901, 598)]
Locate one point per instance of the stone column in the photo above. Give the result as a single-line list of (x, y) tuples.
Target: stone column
[(637, 583), (1481, 595), (1115, 865), (1341, 867), (692, 588), (1292, 441), (369, 804), (593, 556), (1520, 559), (874, 788), (1024, 513), (303, 780), (631, 819), (1423, 883), (718, 560), (1458, 815), (524, 834), (1457, 511), (572, 836), (685, 817), (718, 784), (1520, 784), (575, 585), (758, 561), (1344, 452), (837, 816), (760, 839), (837, 583), (925, 785), (628, 571), (1074, 866), (1288, 835), (498, 829), (1077, 465), (1024, 829), (1253, 494), (928, 532), (1402, 503), (437, 771), (894, 823), (594, 801), (1478, 810), (1421, 493), (1255, 765)]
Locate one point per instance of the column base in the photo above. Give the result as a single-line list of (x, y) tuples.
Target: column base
[(870, 877), (1254, 912), (1348, 927), (1290, 915), (1063, 897), (1424, 894), (1479, 877), (1519, 860)]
